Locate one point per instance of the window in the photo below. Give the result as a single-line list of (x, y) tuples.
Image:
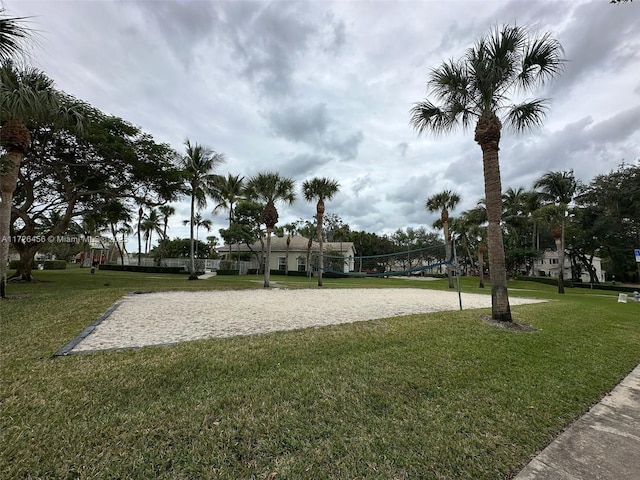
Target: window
[(302, 264), (282, 262)]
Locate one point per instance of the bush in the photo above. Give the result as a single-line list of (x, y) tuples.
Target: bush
[(47, 264), (546, 281), (141, 268), (55, 265), (227, 272), (611, 288)]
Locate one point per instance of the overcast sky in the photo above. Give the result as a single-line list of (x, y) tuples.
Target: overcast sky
[(324, 89)]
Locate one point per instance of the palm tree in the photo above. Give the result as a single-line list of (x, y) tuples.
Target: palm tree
[(151, 223), (321, 189), (26, 96), (443, 202), (166, 211), (270, 187), (291, 229), (197, 166), (558, 188), (475, 90), (230, 190), (198, 221), (12, 36), (117, 213)]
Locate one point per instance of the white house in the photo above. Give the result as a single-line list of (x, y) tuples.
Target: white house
[(548, 266), (296, 253)]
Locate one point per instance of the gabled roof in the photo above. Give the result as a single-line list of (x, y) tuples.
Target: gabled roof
[(298, 244)]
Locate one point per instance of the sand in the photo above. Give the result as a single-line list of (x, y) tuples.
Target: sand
[(140, 320)]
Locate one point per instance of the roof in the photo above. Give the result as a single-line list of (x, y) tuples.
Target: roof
[(298, 244)]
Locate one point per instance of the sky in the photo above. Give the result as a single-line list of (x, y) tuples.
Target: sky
[(324, 89)]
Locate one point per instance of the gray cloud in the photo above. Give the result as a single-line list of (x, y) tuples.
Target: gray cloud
[(324, 89), (311, 126)]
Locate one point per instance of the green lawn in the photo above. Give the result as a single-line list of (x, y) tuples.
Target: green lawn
[(437, 396)]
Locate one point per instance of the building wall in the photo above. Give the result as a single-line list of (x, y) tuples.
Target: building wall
[(548, 266)]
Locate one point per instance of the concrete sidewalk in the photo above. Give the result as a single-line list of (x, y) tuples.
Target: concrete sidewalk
[(604, 444)]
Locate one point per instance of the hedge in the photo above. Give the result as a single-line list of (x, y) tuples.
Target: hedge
[(141, 268), (546, 280), (47, 265)]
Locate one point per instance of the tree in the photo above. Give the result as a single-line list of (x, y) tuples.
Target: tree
[(166, 211), (198, 221), (443, 202), (73, 175), (12, 36), (320, 189), (476, 89), (117, 216), (609, 205), (26, 96), (197, 166), (230, 191), (270, 187), (152, 223), (558, 188)]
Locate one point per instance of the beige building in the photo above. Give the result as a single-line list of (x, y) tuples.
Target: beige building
[(296, 254), (548, 266)]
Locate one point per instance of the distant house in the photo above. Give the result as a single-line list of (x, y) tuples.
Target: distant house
[(548, 266), (297, 253)]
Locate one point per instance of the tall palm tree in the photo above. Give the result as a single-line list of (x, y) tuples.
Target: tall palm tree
[(152, 223), (166, 211), (476, 89), (26, 96), (558, 188), (13, 34), (230, 190), (117, 213), (320, 189), (270, 187), (443, 202), (197, 166), (198, 221), (290, 229)]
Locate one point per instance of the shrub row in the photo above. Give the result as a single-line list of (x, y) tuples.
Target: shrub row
[(47, 264), (546, 281), (570, 284), (142, 268)]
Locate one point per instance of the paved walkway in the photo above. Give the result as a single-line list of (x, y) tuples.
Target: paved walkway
[(604, 444)]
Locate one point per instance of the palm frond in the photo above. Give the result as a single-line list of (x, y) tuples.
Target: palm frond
[(528, 114), (13, 34), (425, 117), (541, 61)]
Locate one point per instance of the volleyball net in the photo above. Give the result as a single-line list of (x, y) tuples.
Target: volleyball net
[(422, 261)]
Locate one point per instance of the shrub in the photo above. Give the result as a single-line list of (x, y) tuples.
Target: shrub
[(141, 268), (55, 265), (227, 272)]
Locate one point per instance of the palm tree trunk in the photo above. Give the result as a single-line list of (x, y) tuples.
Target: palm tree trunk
[(140, 212), (447, 249), (8, 182), (192, 266), (481, 250), (321, 248), (561, 260), (267, 267), (487, 135)]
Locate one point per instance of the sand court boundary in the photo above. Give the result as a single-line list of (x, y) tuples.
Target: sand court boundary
[(164, 318)]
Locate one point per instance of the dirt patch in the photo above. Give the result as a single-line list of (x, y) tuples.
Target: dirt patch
[(514, 326)]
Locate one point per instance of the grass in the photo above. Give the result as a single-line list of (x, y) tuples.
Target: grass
[(435, 396)]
